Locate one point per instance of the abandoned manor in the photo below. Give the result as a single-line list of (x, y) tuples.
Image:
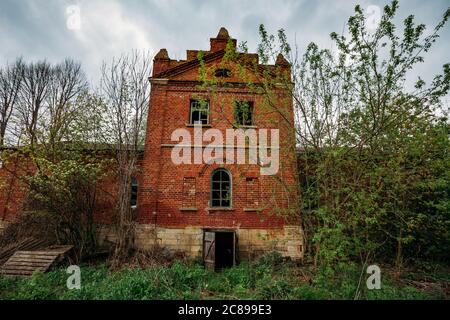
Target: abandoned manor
[(218, 210)]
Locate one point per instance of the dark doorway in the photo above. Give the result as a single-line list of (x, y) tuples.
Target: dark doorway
[(219, 249), (224, 250)]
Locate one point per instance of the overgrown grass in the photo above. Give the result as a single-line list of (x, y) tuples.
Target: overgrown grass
[(269, 278)]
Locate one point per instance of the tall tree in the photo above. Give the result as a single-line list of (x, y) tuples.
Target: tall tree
[(366, 138), (10, 85), (125, 90), (56, 114), (67, 82), (36, 85)]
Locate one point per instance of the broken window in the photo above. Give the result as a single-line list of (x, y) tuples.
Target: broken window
[(220, 188), (134, 192), (243, 113), (199, 112)]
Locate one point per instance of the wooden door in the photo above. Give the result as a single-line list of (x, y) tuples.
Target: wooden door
[(209, 249)]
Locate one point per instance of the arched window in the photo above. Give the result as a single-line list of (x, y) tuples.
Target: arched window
[(220, 188), (134, 191)]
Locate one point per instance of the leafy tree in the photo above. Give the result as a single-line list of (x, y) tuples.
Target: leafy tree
[(373, 152), (10, 86), (52, 159)]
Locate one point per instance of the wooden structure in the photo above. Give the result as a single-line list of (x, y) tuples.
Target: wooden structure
[(26, 244), (25, 263)]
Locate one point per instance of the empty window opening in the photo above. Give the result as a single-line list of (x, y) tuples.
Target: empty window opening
[(222, 73), (134, 192), (243, 113), (199, 112), (220, 188)]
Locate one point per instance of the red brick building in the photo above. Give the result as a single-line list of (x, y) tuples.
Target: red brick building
[(232, 207), (219, 210)]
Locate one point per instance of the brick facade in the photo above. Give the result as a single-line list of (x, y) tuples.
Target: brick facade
[(174, 205), (177, 197)]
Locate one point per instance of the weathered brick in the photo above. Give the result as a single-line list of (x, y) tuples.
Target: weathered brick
[(175, 198)]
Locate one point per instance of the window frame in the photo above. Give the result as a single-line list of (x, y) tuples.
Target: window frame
[(134, 183), (191, 102), (211, 199), (237, 110)]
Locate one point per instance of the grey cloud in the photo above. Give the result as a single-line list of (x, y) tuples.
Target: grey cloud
[(36, 29)]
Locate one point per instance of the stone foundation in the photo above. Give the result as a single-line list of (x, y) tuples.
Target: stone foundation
[(250, 242)]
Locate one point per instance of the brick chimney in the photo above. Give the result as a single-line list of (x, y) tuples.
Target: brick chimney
[(161, 62), (220, 42), (283, 64), (281, 61)]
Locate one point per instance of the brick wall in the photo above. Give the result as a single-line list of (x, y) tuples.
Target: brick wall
[(175, 198), (13, 187), (178, 195), (14, 190)]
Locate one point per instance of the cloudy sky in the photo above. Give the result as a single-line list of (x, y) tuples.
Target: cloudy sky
[(49, 29)]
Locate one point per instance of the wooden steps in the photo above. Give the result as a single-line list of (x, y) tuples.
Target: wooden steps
[(25, 263)]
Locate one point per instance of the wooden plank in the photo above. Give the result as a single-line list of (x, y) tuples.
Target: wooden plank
[(50, 255), (37, 263), (30, 256), (25, 244), (43, 253), (26, 263), (30, 260), (209, 239), (17, 273), (14, 265), (21, 274), (22, 268), (19, 259), (43, 256), (60, 251)]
